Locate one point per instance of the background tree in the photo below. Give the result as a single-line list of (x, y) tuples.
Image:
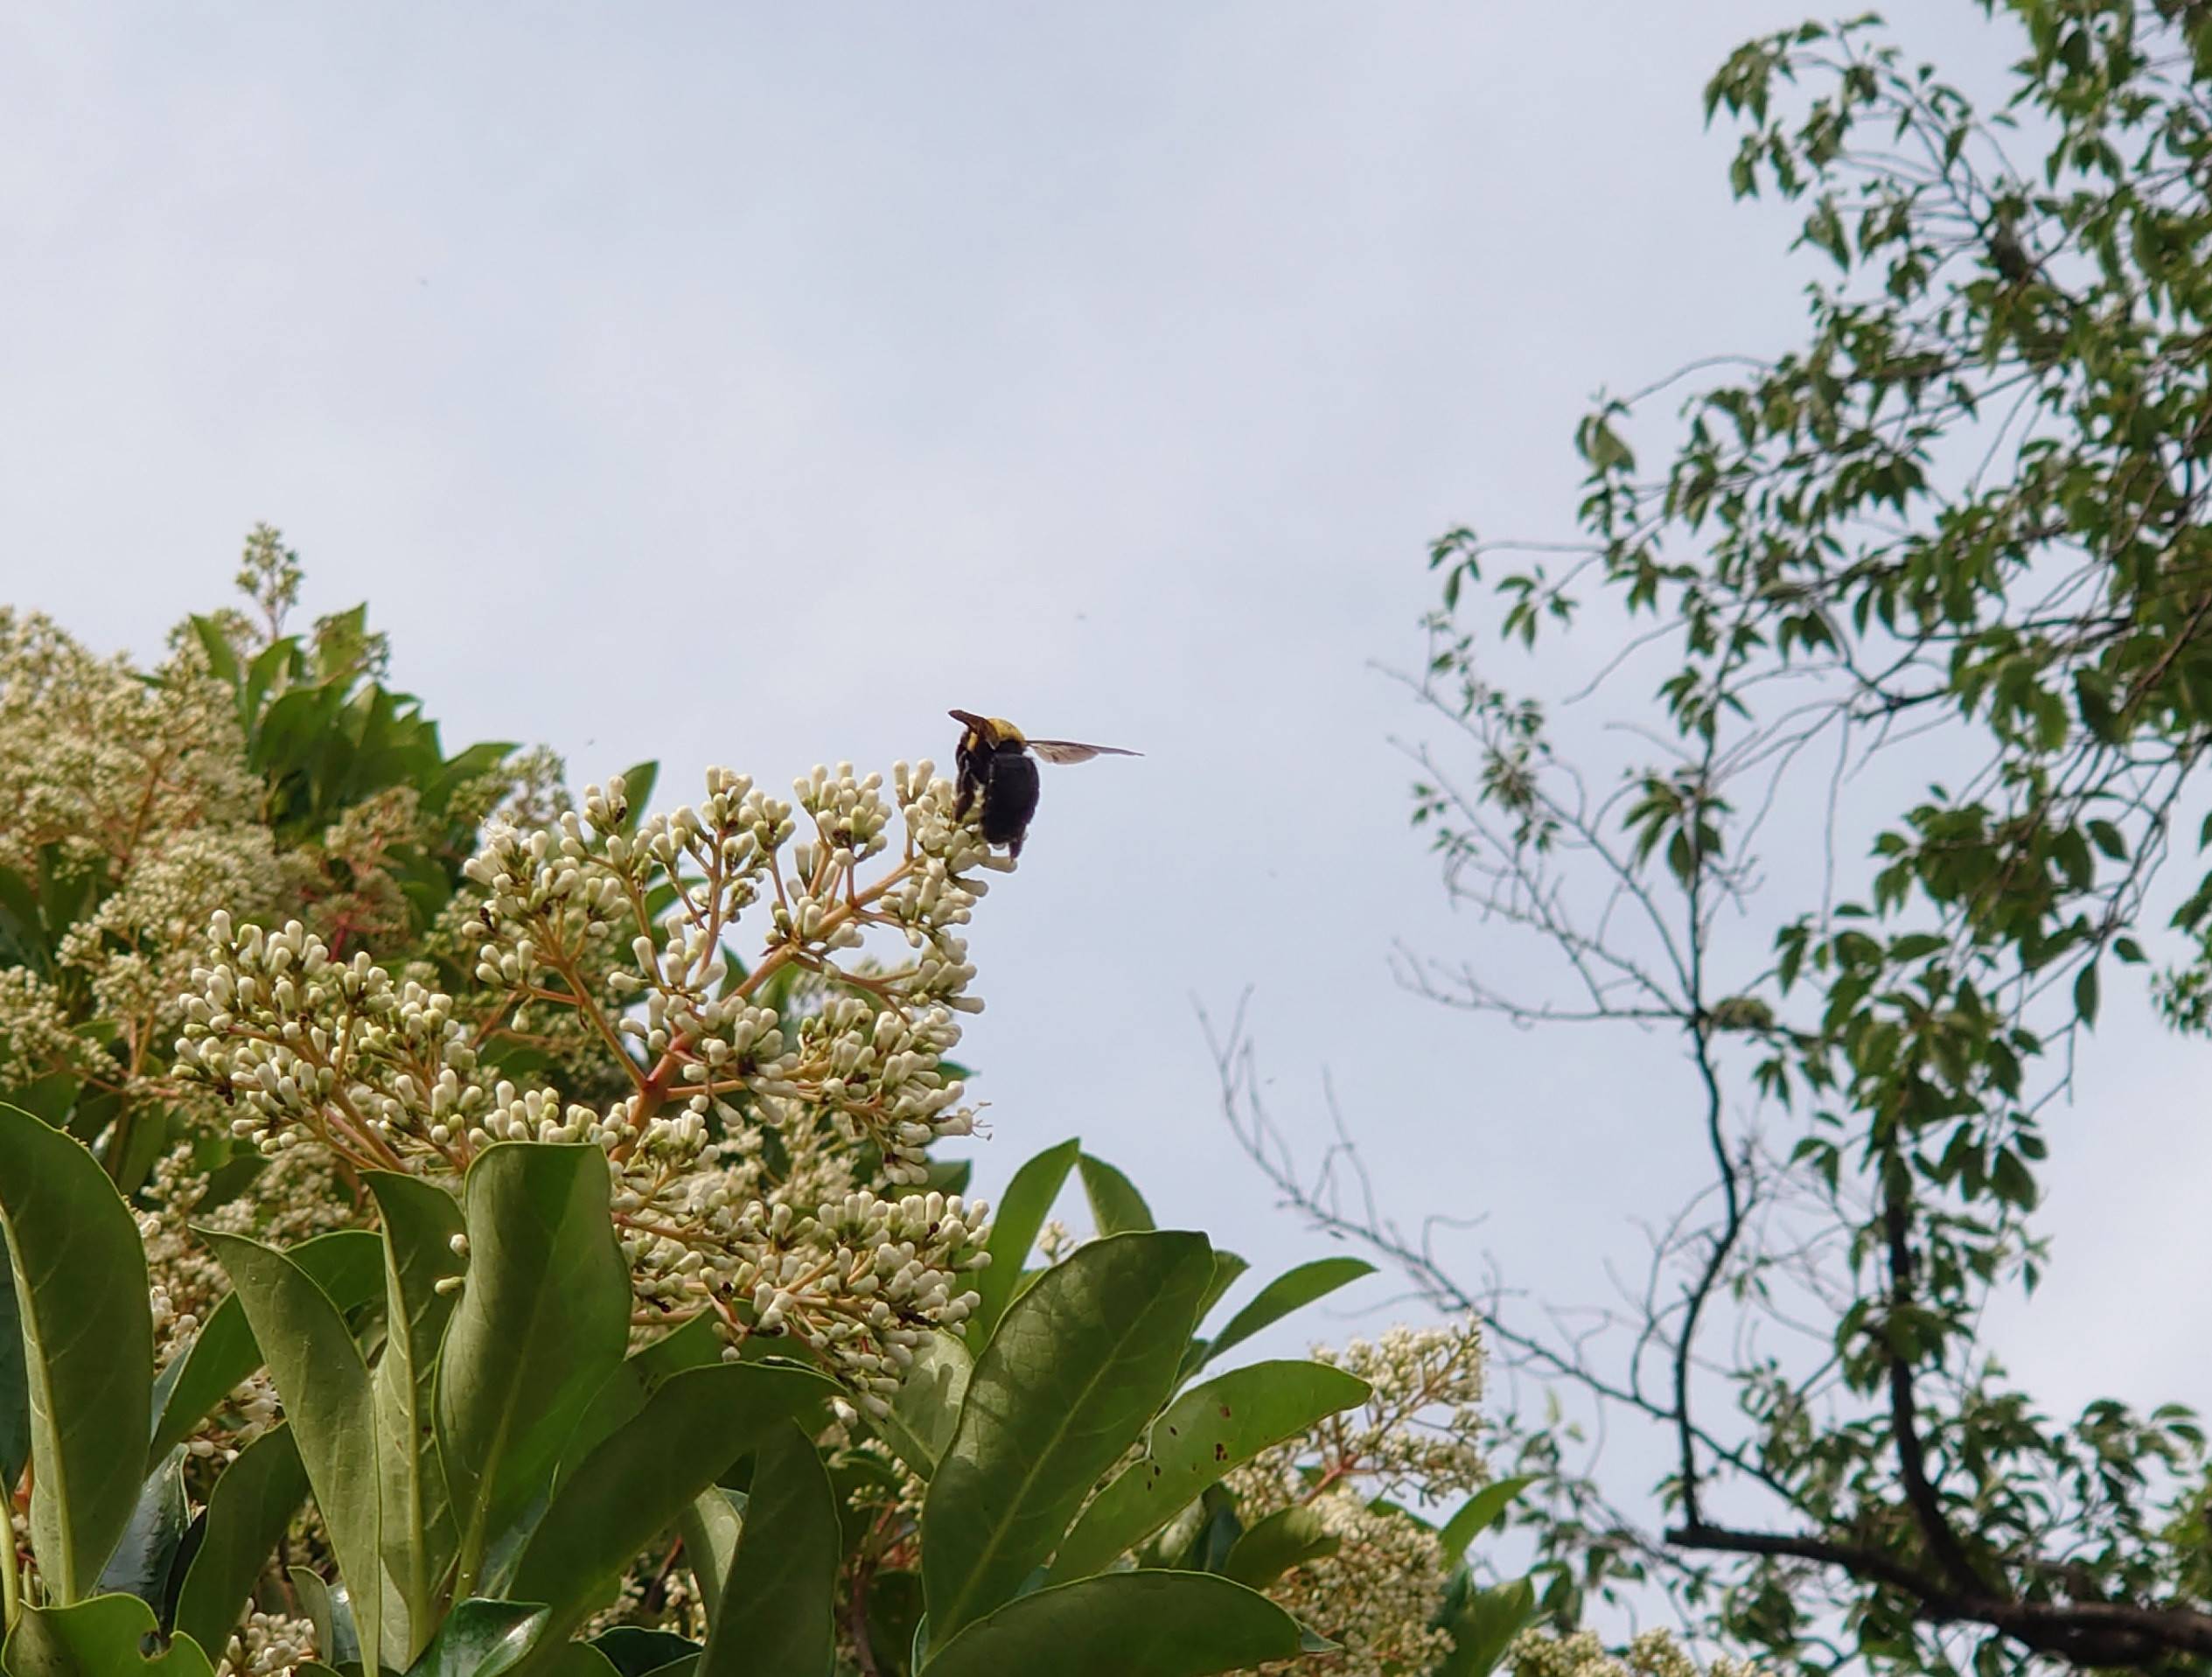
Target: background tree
[(1957, 532)]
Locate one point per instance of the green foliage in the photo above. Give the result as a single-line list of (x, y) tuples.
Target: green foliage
[(87, 1338), (776, 1606), (1198, 1438), (346, 1264), (1080, 1364), (98, 1638), (1292, 1291), (356, 1327), (1127, 1625), (1022, 1209), (540, 1326), (249, 1510), (323, 1378)]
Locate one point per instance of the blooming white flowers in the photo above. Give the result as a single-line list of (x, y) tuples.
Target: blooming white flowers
[(751, 1112)]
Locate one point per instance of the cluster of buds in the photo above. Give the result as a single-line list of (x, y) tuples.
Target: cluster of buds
[(621, 931)]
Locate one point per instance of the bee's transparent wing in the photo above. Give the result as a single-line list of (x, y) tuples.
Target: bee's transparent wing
[(1066, 751)]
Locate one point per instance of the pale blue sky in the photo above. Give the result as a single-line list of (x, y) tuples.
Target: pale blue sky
[(749, 385)]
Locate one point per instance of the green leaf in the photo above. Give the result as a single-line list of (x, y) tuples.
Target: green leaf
[(88, 1339), (347, 1264), (331, 1615), (1483, 1628), (1227, 1269), (222, 660), (2085, 994), (248, 1510), (693, 1345), (319, 1374), (419, 1535), (1125, 1625), (1116, 1206), (637, 1483), (927, 1408), (1478, 1513), (15, 1377), (482, 1638), (543, 1318), (1021, 1211), (1292, 1291), (1288, 1538), (710, 1529), (779, 1602), (99, 1638), (1081, 1362), (1205, 1432), (140, 1561)]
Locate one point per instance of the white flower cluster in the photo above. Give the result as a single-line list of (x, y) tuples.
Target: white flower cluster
[(623, 936), (139, 789), (1376, 1594), (1415, 1437), (1653, 1653), (1413, 1442), (265, 1644)]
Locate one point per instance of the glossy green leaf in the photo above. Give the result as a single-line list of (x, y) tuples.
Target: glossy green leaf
[(140, 1562), (482, 1638), (640, 1479), (319, 1374), (88, 1339), (1082, 1361), (927, 1408), (1019, 1214), (1478, 1513), (331, 1613), (711, 1528), (696, 1343), (103, 1637), (419, 1535), (543, 1319), (780, 1599), (248, 1513), (347, 1264), (1205, 1432), (1484, 1627), (1116, 1206), (1292, 1291), (1125, 1624), (1288, 1538)]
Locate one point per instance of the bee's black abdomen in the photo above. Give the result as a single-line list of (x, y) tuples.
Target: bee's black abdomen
[(1009, 796)]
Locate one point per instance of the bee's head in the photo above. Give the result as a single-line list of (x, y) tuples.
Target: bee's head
[(990, 733)]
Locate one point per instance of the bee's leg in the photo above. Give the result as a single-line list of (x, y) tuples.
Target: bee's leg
[(1014, 847)]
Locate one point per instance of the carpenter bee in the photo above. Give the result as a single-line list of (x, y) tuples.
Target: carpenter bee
[(996, 766)]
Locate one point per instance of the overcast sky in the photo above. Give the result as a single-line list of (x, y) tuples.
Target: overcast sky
[(749, 385)]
